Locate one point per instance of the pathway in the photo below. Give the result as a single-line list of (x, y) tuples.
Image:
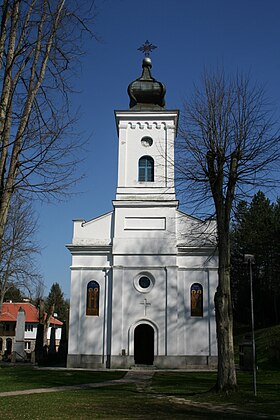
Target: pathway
[(138, 377), (142, 379)]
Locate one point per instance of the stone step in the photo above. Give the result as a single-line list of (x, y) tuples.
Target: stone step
[(143, 367)]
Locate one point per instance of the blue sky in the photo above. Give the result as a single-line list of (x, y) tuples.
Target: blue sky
[(191, 35)]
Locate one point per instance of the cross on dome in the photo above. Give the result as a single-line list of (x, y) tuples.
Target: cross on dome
[(146, 93), (147, 48)]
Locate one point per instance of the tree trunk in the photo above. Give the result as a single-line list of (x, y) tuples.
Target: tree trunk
[(226, 378)]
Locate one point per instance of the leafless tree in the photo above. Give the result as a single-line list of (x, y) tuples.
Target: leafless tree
[(40, 45), (228, 146), (18, 263)]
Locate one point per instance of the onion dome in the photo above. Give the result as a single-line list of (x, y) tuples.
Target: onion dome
[(146, 93)]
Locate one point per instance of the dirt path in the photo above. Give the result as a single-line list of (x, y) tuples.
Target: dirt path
[(138, 377)]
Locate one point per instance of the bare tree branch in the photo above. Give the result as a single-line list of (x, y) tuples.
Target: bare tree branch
[(40, 45), (228, 146)]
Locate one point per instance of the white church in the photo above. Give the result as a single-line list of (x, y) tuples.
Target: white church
[(144, 275)]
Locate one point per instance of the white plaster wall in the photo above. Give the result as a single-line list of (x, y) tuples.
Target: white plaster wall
[(172, 330), (194, 232), (199, 333), (86, 330), (164, 218), (213, 283), (147, 261), (90, 260), (74, 314), (133, 238), (135, 150), (97, 230), (195, 261), (128, 309), (132, 127)]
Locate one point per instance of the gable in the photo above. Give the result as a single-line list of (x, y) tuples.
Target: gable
[(93, 232), (193, 232)]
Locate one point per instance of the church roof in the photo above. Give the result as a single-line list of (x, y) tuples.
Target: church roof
[(146, 93), (10, 311)]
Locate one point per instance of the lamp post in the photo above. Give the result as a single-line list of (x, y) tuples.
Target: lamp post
[(251, 260)]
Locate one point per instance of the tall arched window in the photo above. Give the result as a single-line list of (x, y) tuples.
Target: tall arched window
[(146, 169), (196, 299), (93, 298)]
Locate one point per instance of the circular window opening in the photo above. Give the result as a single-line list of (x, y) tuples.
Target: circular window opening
[(146, 141), (144, 282)]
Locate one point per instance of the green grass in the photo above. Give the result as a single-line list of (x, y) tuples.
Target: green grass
[(121, 402), (197, 386), (26, 377), (163, 398), (178, 395), (266, 339)]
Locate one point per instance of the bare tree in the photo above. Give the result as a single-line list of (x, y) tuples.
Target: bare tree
[(17, 260), (40, 44), (228, 146)]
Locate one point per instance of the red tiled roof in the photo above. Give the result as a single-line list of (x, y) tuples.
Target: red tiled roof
[(10, 311)]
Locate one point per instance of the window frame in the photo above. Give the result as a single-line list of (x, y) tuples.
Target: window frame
[(137, 284), (146, 169), (196, 304), (91, 310)]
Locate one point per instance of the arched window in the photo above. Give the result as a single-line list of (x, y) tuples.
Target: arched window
[(146, 169), (93, 298), (196, 299)]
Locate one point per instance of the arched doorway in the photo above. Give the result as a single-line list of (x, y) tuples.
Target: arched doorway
[(144, 345)]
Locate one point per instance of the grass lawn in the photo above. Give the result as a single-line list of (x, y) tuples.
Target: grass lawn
[(197, 386), (163, 398), (122, 402), (25, 377)]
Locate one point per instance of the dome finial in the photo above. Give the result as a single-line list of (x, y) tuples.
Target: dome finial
[(146, 93)]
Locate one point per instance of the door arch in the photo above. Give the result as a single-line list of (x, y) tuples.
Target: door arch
[(144, 345)]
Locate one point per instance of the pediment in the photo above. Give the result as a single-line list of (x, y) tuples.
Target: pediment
[(95, 231), (193, 232)]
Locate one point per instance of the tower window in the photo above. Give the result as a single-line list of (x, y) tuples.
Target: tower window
[(146, 141), (146, 169)]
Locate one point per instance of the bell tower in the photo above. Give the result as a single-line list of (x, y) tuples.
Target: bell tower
[(146, 142)]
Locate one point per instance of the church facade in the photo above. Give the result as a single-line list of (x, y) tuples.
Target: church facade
[(143, 276)]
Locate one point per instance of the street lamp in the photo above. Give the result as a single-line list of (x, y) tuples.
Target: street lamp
[(248, 258)]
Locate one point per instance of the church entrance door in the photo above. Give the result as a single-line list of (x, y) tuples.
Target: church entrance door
[(144, 345)]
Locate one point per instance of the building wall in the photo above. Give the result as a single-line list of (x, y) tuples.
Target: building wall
[(121, 309), (144, 235)]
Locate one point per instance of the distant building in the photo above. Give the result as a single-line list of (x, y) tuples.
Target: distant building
[(143, 276), (8, 320)]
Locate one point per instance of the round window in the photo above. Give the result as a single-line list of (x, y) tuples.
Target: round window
[(144, 282), (146, 141)]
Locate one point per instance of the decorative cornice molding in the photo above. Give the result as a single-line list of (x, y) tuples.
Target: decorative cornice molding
[(87, 249)]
